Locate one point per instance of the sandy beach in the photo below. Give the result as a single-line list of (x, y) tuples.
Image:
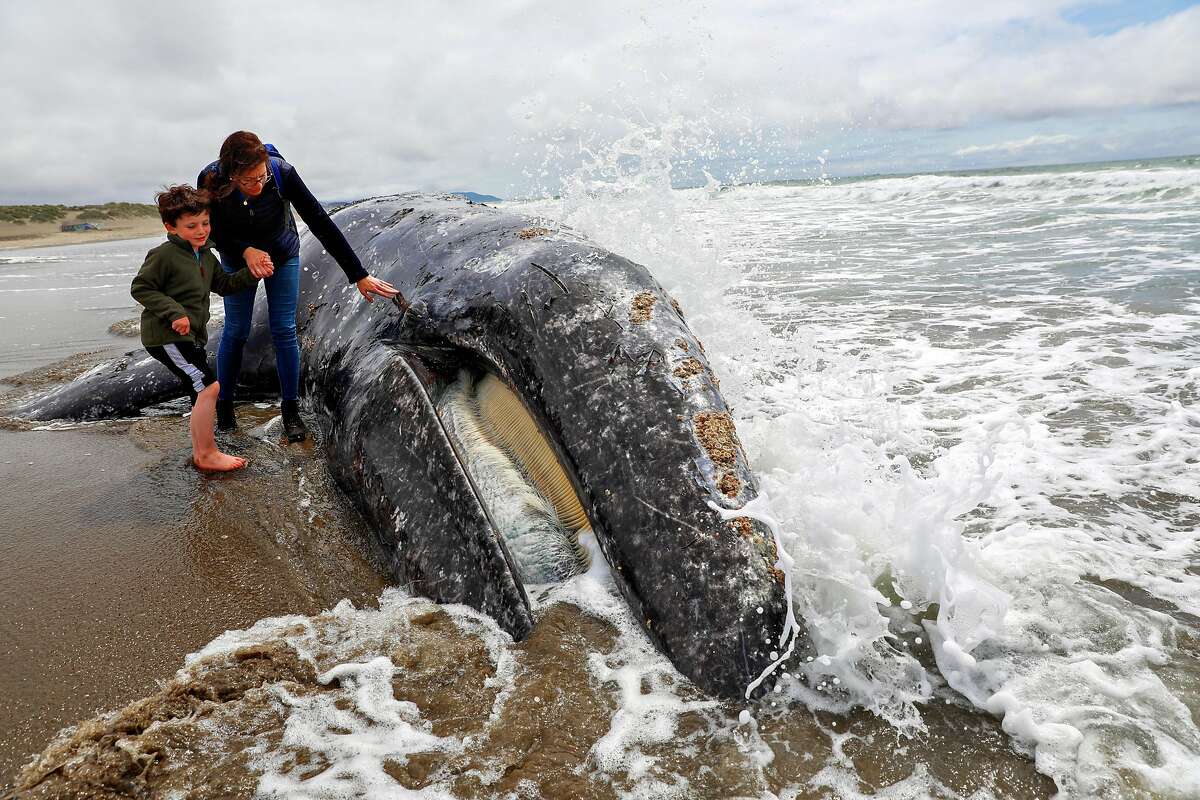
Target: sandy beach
[(15, 236), (137, 585)]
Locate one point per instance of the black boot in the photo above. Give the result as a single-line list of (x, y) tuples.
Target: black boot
[(226, 421), (293, 426)]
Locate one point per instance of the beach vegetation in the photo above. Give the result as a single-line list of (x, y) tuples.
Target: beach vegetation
[(54, 213), (32, 213)]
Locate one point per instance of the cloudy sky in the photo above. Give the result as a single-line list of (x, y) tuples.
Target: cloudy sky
[(108, 101)]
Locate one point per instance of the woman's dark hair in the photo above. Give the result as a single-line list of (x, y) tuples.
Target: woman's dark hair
[(175, 201), (241, 151)]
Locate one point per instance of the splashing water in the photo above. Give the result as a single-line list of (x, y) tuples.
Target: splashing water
[(622, 198), (971, 402)]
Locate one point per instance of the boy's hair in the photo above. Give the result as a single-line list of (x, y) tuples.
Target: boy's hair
[(175, 201)]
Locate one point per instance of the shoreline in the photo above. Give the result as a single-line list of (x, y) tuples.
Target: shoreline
[(51, 236)]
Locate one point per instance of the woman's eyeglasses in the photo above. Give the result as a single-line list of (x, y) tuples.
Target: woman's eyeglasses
[(255, 180)]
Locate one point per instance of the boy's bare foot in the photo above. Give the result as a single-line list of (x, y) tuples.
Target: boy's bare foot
[(218, 462)]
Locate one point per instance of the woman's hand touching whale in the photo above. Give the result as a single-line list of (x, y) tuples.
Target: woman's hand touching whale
[(369, 286)]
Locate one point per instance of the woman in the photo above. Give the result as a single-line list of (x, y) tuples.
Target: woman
[(252, 225)]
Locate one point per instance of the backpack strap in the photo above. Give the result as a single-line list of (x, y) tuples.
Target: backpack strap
[(274, 159), (277, 174)]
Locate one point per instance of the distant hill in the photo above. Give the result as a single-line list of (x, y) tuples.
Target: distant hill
[(475, 197)]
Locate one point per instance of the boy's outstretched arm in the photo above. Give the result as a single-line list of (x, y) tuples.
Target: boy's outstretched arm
[(223, 283)]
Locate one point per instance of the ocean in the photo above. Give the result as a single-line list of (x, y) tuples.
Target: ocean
[(973, 404), (59, 301)]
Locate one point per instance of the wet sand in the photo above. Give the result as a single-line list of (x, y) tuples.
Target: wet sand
[(530, 730), (120, 559)]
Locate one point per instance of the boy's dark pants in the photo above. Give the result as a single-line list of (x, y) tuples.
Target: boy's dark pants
[(187, 362)]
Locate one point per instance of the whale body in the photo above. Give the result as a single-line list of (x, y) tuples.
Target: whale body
[(632, 441)]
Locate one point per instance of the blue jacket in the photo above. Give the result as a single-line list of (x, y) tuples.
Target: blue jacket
[(266, 222)]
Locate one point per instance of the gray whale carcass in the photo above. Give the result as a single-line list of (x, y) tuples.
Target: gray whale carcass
[(519, 327)]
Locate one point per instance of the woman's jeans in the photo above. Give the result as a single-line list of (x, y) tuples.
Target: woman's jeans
[(283, 293)]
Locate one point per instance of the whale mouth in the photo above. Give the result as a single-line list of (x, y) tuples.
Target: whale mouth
[(517, 477), (513, 468)]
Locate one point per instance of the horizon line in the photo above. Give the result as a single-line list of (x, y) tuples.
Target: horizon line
[(731, 184)]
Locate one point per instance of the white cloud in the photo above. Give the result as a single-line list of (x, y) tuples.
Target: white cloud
[(1014, 147), (111, 101)]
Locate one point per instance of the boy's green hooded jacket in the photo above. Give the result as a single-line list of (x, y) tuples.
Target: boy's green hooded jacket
[(176, 280)]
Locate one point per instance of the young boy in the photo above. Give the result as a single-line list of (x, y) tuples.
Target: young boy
[(173, 287)]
